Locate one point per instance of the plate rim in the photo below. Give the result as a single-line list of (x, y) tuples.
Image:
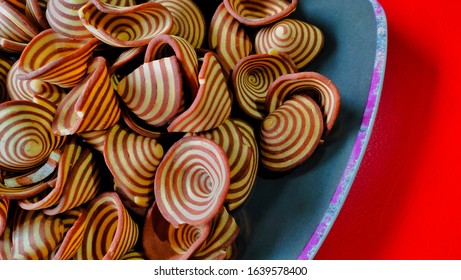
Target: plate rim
[(361, 142)]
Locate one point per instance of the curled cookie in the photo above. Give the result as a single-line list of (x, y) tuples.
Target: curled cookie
[(16, 30), (130, 26), (56, 59), (258, 13), (192, 181), (241, 160), (35, 10), (26, 135), (110, 231), (4, 205), (74, 222), (252, 77), (291, 133), (212, 105), (228, 38), (134, 175), (208, 241), (75, 182), (95, 138), (169, 45), (23, 89), (301, 41), (80, 110), (319, 87), (31, 244), (153, 91), (188, 20), (5, 66)]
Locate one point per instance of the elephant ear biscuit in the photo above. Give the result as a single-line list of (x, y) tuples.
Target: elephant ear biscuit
[(258, 13)]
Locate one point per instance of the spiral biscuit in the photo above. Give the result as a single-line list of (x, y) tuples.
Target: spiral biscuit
[(314, 84), (131, 26), (24, 89), (228, 38), (159, 47), (192, 181), (110, 232), (56, 59), (188, 20), (252, 77), (80, 111), (258, 13), (26, 135), (291, 133), (153, 92), (132, 160), (301, 41), (36, 11), (4, 205)]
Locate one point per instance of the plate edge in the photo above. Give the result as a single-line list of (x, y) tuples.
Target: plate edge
[(361, 141)]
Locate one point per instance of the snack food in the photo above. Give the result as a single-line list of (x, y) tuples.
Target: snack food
[(141, 125)]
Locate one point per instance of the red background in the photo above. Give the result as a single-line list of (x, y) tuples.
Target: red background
[(406, 200)]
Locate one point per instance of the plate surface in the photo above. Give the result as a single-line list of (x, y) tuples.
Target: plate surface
[(289, 215)]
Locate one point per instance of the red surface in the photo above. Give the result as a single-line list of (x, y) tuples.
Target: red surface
[(406, 200)]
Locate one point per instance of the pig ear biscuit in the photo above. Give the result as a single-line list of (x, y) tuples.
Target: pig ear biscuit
[(4, 205), (21, 89), (252, 77), (63, 17), (192, 181), (183, 51), (134, 175), (110, 232), (153, 91), (212, 105), (161, 240), (15, 26), (241, 161), (5, 66), (301, 41), (291, 133), (26, 135), (228, 38), (319, 87), (188, 20), (131, 26), (257, 13), (80, 110), (56, 59)]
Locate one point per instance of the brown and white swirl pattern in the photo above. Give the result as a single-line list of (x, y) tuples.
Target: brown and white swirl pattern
[(314, 84), (95, 138), (110, 231), (291, 133), (80, 110), (30, 243), (24, 89), (257, 13), (188, 20), (162, 241), (45, 59), (35, 11), (134, 175), (153, 92), (298, 39), (74, 222), (192, 181), (228, 38), (241, 160), (212, 105), (5, 65), (77, 181), (252, 77), (165, 45), (131, 26), (4, 205), (26, 135), (15, 26)]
